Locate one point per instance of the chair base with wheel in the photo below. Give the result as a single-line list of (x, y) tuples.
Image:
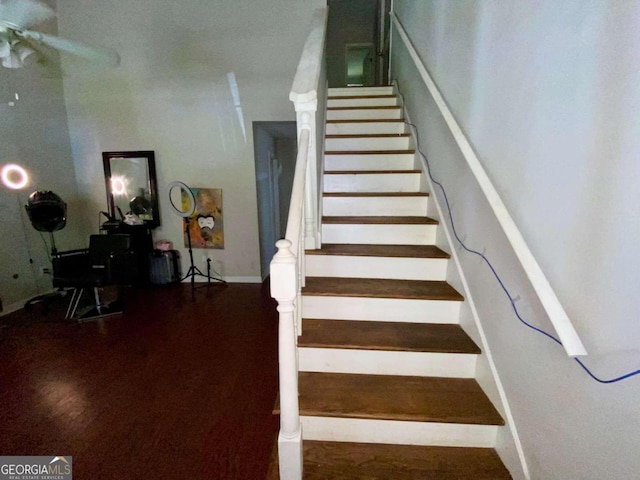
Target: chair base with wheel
[(108, 261), (99, 310)]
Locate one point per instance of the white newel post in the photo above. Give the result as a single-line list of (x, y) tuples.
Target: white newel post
[(284, 288)]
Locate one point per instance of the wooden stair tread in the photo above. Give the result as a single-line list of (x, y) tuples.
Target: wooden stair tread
[(387, 336), (375, 194), (380, 288), (369, 152), (374, 461), (380, 220), (369, 135), (367, 250), (355, 97), (394, 397), (346, 460), (366, 107), (368, 120)]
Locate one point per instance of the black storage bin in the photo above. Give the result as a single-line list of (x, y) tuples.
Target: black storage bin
[(165, 267)]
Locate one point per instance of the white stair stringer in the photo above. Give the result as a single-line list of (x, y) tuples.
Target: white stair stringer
[(383, 234), (356, 266), (380, 362), (364, 143), (380, 309), (363, 128), (364, 205), (361, 91), (398, 432), (364, 113), (365, 101), (407, 181), (368, 161)]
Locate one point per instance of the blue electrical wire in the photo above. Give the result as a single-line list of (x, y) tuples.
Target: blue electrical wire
[(491, 267)]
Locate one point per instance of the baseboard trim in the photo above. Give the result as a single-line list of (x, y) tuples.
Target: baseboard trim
[(14, 307), (252, 279), (19, 305), (248, 279)]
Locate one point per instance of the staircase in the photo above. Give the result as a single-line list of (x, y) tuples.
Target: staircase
[(386, 387)]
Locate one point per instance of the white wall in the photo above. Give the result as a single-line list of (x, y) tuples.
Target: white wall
[(547, 93), (33, 133), (174, 94)]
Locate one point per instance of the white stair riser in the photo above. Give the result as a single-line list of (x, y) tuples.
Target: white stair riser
[(398, 432), (354, 91), (365, 128), (364, 114), (384, 161), (372, 182), (367, 143), (372, 206), (381, 309), (379, 234), (376, 267), (362, 102), (376, 362)]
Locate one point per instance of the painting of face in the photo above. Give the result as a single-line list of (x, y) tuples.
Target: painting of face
[(206, 226)]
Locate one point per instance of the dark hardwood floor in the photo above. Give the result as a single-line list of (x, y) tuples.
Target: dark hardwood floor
[(174, 388)]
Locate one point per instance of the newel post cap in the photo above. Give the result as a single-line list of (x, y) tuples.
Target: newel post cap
[(283, 271)]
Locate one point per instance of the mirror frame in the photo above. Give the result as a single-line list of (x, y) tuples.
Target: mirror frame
[(149, 155)]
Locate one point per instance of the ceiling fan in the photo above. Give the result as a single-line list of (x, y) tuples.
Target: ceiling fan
[(20, 46)]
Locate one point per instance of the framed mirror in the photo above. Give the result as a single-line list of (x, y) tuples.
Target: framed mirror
[(130, 180)]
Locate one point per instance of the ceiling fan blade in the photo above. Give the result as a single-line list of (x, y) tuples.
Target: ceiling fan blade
[(24, 13), (101, 55)]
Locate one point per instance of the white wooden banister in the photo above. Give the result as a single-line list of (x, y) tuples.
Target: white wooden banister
[(307, 92), (284, 289), (557, 315), (287, 267)]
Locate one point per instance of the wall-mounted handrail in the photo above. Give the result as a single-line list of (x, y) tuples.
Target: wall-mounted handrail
[(287, 266), (549, 300)]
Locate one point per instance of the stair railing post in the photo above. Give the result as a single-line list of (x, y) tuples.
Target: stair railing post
[(306, 120), (284, 288)]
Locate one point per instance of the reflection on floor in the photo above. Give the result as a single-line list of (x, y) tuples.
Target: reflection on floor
[(174, 388)]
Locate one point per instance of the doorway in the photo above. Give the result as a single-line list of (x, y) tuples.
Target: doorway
[(358, 40), (275, 150), (360, 67)]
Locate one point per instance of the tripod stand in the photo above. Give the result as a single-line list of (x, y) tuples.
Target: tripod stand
[(194, 271)]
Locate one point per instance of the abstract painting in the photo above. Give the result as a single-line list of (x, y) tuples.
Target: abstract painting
[(206, 225)]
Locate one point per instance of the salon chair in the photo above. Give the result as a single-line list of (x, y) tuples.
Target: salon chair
[(109, 260)]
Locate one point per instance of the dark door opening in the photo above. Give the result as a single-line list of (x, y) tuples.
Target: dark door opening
[(275, 150)]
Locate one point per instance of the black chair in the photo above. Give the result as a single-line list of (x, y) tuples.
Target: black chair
[(109, 260)]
